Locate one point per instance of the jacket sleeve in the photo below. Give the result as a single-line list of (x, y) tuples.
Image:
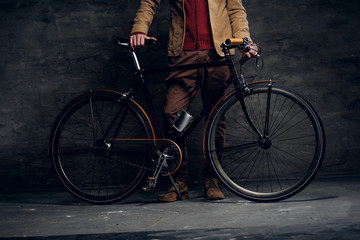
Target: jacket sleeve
[(238, 19), (145, 15)]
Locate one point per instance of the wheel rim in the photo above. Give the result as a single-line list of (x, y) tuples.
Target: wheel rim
[(89, 166), (276, 166)]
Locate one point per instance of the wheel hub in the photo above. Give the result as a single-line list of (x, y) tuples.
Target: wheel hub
[(265, 142), (101, 147)]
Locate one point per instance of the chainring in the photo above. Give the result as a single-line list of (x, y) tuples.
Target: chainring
[(173, 153)]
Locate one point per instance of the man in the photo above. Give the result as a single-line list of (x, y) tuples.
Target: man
[(197, 29)]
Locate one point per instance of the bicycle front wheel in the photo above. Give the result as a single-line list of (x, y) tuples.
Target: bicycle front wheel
[(99, 146), (279, 163)]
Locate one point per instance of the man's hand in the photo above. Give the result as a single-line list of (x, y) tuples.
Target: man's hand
[(247, 55), (253, 51), (138, 40)]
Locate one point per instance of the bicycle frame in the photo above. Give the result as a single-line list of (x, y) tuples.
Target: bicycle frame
[(103, 142), (237, 80)]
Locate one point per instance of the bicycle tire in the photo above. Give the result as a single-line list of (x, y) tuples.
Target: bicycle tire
[(92, 165), (274, 169)]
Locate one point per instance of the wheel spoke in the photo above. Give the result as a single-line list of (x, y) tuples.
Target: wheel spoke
[(233, 148), (75, 152)]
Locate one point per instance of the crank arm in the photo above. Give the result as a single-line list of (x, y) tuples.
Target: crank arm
[(151, 181)]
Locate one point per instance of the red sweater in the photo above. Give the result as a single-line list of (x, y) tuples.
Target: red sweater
[(198, 30)]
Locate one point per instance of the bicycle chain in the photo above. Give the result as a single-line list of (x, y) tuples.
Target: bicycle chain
[(136, 165), (133, 165)]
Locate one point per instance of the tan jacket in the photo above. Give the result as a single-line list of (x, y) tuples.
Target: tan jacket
[(227, 19)]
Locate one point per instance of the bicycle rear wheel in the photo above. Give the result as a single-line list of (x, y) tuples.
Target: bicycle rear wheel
[(277, 165), (99, 146)]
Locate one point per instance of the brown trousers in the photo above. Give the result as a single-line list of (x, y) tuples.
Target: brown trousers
[(181, 88)]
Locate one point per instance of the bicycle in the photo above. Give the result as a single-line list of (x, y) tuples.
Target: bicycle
[(104, 145)]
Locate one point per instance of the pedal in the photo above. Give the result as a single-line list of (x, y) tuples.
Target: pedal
[(145, 189), (151, 182)]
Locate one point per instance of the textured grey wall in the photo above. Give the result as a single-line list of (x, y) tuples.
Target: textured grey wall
[(52, 50)]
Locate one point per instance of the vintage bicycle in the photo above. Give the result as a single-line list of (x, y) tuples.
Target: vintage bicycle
[(104, 145)]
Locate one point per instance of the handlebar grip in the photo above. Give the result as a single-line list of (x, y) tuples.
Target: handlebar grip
[(149, 41), (124, 42), (234, 41), (119, 40)]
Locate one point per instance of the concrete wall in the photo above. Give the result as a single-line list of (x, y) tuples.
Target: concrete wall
[(52, 50)]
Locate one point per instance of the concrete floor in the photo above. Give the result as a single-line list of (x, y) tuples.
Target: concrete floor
[(326, 209)]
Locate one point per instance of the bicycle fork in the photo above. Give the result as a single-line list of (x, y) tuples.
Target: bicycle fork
[(242, 89), (262, 136)]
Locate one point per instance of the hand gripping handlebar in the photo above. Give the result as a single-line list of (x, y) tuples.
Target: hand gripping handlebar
[(242, 43), (124, 42)]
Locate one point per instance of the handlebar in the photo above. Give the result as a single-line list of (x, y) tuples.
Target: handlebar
[(124, 42), (235, 41), (243, 43)]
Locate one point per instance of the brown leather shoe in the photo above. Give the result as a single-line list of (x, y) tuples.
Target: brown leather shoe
[(171, 195), (212, 190)]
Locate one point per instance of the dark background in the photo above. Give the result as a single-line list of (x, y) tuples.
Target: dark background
[(53, 50)]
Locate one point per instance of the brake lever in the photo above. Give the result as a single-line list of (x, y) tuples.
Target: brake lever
[(257, 60)]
